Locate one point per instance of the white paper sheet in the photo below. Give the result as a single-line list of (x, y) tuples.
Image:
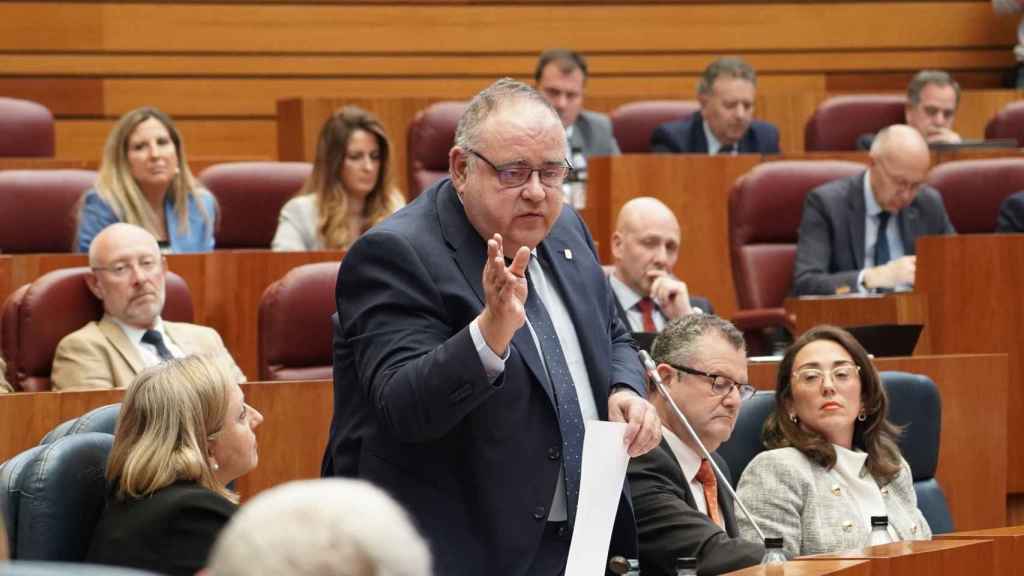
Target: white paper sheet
[(604, 471)]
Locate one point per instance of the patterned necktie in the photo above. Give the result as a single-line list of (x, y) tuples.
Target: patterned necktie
[(706, 476), (882, 242), (570, 419), (156, 339), (646, 307)]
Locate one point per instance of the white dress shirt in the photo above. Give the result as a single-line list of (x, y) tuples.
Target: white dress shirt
[(689, 462)]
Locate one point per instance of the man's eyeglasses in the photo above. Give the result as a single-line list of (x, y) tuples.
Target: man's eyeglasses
[(814, 377), (720, 385), (899, 183), (551, 174), (122, 268)]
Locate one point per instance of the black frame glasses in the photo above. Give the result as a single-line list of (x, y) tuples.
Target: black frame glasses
[(516, 174), (720, 385)]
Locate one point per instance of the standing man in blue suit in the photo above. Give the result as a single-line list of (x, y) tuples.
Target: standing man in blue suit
[(480, 334), (724, 124)]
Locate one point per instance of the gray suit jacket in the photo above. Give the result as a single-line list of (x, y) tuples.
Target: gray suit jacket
[(792, 497), (830, 250), (99, 355), (592, 134)]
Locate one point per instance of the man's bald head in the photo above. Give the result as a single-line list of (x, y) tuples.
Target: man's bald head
[(116, 235), (899, 165), (646, 239), (128, 274)]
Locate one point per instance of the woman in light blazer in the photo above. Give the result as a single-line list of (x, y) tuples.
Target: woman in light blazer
[(832, 462)]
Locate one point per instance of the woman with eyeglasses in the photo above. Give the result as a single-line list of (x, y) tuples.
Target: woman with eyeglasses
[(833, 462), (183, 434), (348, 191), (144, 179)]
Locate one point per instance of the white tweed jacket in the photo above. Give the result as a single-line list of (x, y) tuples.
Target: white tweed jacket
[(808, 506)]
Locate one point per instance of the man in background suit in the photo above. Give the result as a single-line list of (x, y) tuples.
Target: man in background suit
[(859, 234), (475, 427), (933, 97), (724, 124), (128, 274), (561, 76), (645, 246), (680, 508)]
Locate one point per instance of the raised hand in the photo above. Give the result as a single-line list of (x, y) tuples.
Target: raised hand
[(505, 294)]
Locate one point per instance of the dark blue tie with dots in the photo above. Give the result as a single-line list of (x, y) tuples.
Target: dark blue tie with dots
[(156, 339), (570, 419)]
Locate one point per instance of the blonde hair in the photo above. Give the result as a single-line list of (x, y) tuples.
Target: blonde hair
[(118, 188), (168, 416), (326, 184), (5, 553)]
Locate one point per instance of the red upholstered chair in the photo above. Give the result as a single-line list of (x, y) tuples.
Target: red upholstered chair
[(839, 121), (39, 209), (26, 128), (431, 135), (633, 123), (251, 195), (36, 316), (765, 207), (295, 331), (1008, 123), (972, 190)]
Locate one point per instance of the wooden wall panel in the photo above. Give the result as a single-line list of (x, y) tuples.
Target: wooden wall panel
[(707, 28), (225, 65), (220, 138)]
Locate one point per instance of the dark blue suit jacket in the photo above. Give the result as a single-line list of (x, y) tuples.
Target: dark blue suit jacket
[(1011, 214), (475, 463), (687, 137)]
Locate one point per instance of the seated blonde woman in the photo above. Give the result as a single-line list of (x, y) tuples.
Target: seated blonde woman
[(183, 434), (832, 462), (144, 180), (348, 191)]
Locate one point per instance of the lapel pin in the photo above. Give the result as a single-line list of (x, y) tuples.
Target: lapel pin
[(568, 254)]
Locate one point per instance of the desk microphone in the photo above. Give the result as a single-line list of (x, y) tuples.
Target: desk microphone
[(652, 371)]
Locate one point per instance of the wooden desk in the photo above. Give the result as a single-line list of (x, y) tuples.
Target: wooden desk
[(904, 308), (972, 466), (811, 568), (1008, 543), (297, 417), (226, 287), (918, 557), (973, 286)]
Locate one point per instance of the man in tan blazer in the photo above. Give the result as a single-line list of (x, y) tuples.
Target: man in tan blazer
[(128, 274), (4, 385)]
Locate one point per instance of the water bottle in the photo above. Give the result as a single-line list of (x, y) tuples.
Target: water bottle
[(773, 555), (686, 566), (578, 180), (879, 531)]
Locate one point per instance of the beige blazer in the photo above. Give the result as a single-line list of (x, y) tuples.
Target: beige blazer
[(99, 355), (4, 385)]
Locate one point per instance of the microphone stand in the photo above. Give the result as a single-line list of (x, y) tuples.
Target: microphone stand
[(652, 371)]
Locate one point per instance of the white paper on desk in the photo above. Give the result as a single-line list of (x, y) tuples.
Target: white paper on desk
[(604, 469)]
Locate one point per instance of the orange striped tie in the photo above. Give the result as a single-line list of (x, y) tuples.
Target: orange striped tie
[(706, 476)]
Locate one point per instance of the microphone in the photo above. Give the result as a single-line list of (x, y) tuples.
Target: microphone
[(652, 371)]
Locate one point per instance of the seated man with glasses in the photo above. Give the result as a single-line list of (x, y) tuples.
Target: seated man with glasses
[(858, 234), (128, 275), (680, 508)]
